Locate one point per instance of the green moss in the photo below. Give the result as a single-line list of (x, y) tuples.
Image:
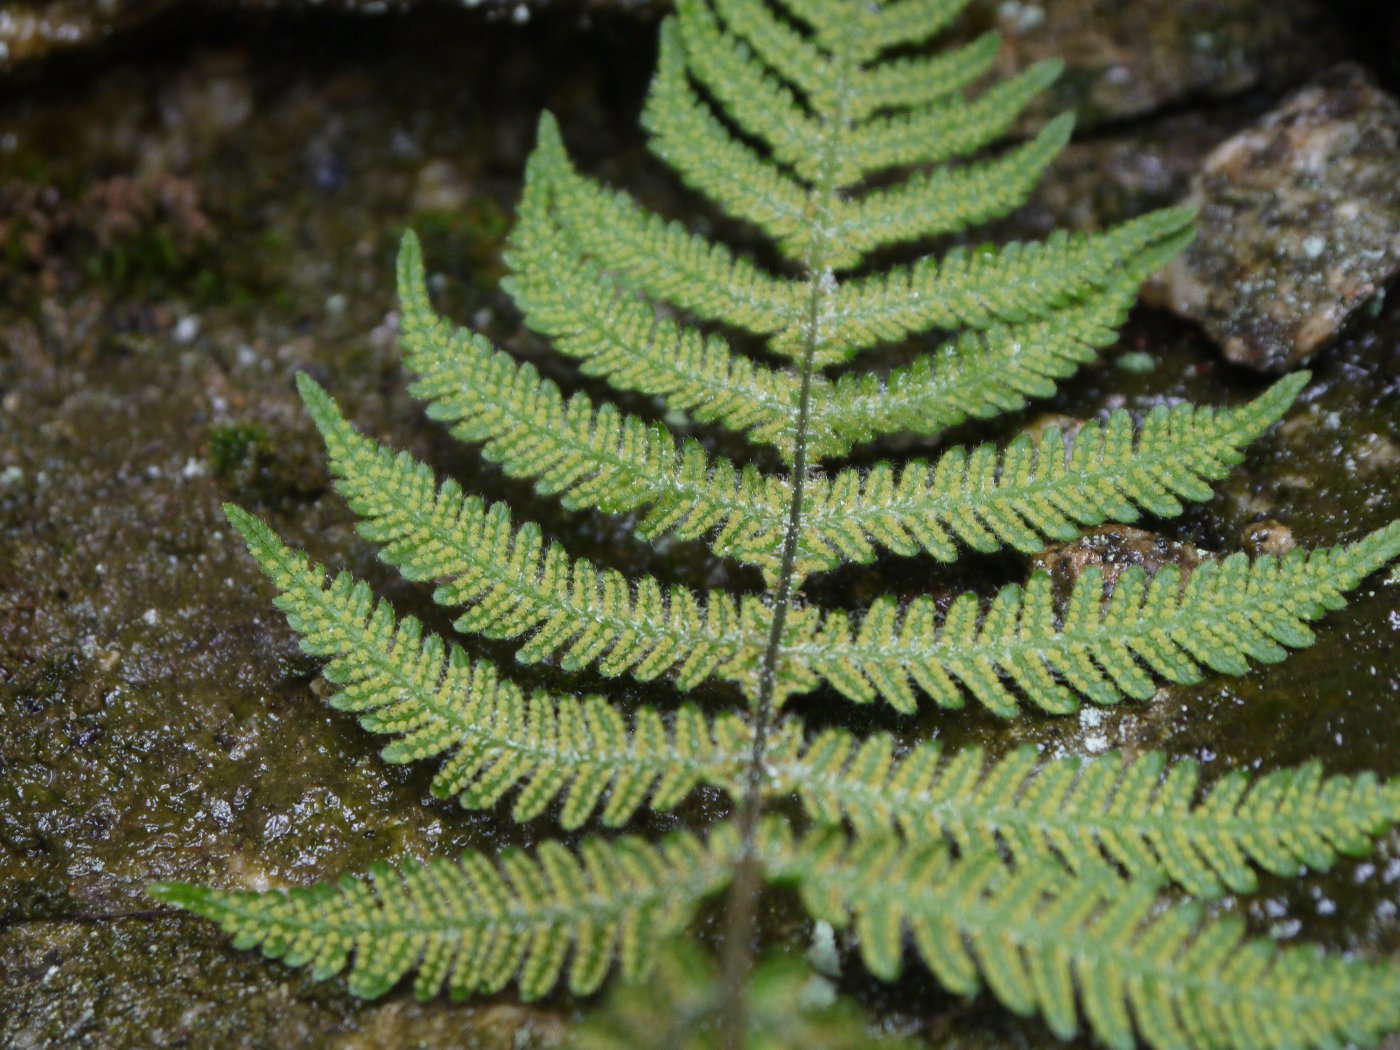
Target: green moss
[(232, 445)]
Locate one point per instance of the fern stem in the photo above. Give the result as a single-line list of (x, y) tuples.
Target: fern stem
[(741, 918)]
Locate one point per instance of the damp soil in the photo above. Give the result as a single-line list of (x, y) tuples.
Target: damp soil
[(192, 217)]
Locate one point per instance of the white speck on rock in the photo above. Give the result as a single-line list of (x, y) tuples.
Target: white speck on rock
[(186, 330)]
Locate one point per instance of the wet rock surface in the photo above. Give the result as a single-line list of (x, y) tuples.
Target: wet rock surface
[(1299, 226), (1127, 59), (157, 719), (1112, 549), (31, 30)]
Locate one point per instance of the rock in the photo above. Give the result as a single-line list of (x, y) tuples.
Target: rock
[(34, 29), (1112, 548), (1129, 59), (1268, 537), (1300, 224)]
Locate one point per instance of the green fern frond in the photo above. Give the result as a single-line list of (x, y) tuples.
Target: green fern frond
[(944, 130), (570, 299), (863, 32), (909, 83), (792, 56), (1032, 490), (659, 258), (979, 375), (589, 457), (981, 289), (1224, 615), (753, 98), (512, 584), (1007, 871), (477, 924), (491, 737), (945, 200), (686, 134), (1147, 815), (1089, 944)]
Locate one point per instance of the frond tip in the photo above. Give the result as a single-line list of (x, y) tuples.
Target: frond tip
[(477, 924)]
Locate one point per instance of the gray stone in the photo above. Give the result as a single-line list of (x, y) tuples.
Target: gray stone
[(1128, 59), (1300, 224)]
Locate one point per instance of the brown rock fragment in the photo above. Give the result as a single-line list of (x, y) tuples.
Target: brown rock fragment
[(1299, 226), (1113, 548)]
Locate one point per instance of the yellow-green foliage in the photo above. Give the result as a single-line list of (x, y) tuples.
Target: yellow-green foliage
[(1047, 880)]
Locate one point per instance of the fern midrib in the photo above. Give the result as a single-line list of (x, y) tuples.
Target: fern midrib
[(738, 950)]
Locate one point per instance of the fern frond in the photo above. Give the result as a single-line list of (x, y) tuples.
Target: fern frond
[(1088, 944), (685, 133), (944, 130), (659, 258), (863, 31), (789, 54), (907, 83), (591, 458), (1032, 490), (979, 375), (477, 924), (514, 585), (1147, 815), (439, 704), (1224, 615), (1010, 285), (748, 94), (945, 200), (621, 337)]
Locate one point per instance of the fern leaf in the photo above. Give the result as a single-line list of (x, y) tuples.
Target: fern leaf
[(477, 924), (620, 337), (1145, 814), (944, 130), (686, 134), (962, 289), (491, 737), (906, 83), (661, 259), (863, 31), (1032, 490), (514, 585), (589, 457), (945, 200), (789, 54), (980, 375), (748, 94), (1225, 614), (1038, 936)]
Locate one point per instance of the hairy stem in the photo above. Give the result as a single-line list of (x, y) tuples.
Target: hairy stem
[(742, 904), (744, 891)]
